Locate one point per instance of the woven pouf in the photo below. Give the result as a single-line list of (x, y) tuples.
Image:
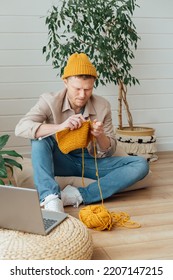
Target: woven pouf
[(70, 240)]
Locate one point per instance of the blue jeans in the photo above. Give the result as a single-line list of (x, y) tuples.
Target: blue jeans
[(116, 173)]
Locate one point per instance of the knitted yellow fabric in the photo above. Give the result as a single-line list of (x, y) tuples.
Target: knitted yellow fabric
[(79, 64), (70, 140), (93, 216)]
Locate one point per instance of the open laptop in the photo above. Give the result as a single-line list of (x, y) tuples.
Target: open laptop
[(20, 210)]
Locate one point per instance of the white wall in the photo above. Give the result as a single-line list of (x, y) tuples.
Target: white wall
[(24, 74)]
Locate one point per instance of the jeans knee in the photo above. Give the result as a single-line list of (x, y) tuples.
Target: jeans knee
[(144, 165), (41, 145)]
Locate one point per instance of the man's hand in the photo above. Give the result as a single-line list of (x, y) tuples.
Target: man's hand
[(97, 128), (73, 122), (98, 131)]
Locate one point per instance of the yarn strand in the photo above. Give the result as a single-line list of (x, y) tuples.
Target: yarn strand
[(97, 171), (97, 216), (83, 167)]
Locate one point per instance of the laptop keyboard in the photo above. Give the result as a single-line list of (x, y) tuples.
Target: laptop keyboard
[(48, 223)]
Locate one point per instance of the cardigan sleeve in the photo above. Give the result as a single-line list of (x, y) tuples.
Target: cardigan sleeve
[(37, 115)]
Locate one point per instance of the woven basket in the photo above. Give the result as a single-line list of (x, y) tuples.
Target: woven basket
[(139, 141), (137, 131), (70, 140), (68, 241)]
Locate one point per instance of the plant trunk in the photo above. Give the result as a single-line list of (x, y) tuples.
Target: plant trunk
[(120, 122), (122, 96)]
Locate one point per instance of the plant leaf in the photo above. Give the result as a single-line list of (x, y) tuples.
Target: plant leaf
[(10, 167), (2, 182), (3, 140), (11, 153), (3, 171), (12, 162)]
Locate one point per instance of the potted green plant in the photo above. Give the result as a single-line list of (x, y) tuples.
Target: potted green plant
[(6, 161), (104, 30)]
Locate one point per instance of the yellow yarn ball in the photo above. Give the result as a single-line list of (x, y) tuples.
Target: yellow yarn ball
[(99, 218), (96, 217)]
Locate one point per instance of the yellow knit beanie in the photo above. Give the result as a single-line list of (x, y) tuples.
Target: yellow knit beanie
[(79, 64)]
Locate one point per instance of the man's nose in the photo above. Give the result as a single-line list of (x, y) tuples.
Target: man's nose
[(82, 92)]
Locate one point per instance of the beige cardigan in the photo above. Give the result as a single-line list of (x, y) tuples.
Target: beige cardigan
[(54, 108)]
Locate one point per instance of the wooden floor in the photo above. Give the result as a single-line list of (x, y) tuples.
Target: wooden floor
[(152, 207)]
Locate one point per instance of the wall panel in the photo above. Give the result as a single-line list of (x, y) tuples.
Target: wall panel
[(24, 73)]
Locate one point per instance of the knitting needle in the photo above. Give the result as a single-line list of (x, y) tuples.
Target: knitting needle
[(42, 137)]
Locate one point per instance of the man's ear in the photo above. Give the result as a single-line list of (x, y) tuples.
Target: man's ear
[(65, 82)]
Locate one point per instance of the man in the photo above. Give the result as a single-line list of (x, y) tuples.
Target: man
[(69, 109)]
